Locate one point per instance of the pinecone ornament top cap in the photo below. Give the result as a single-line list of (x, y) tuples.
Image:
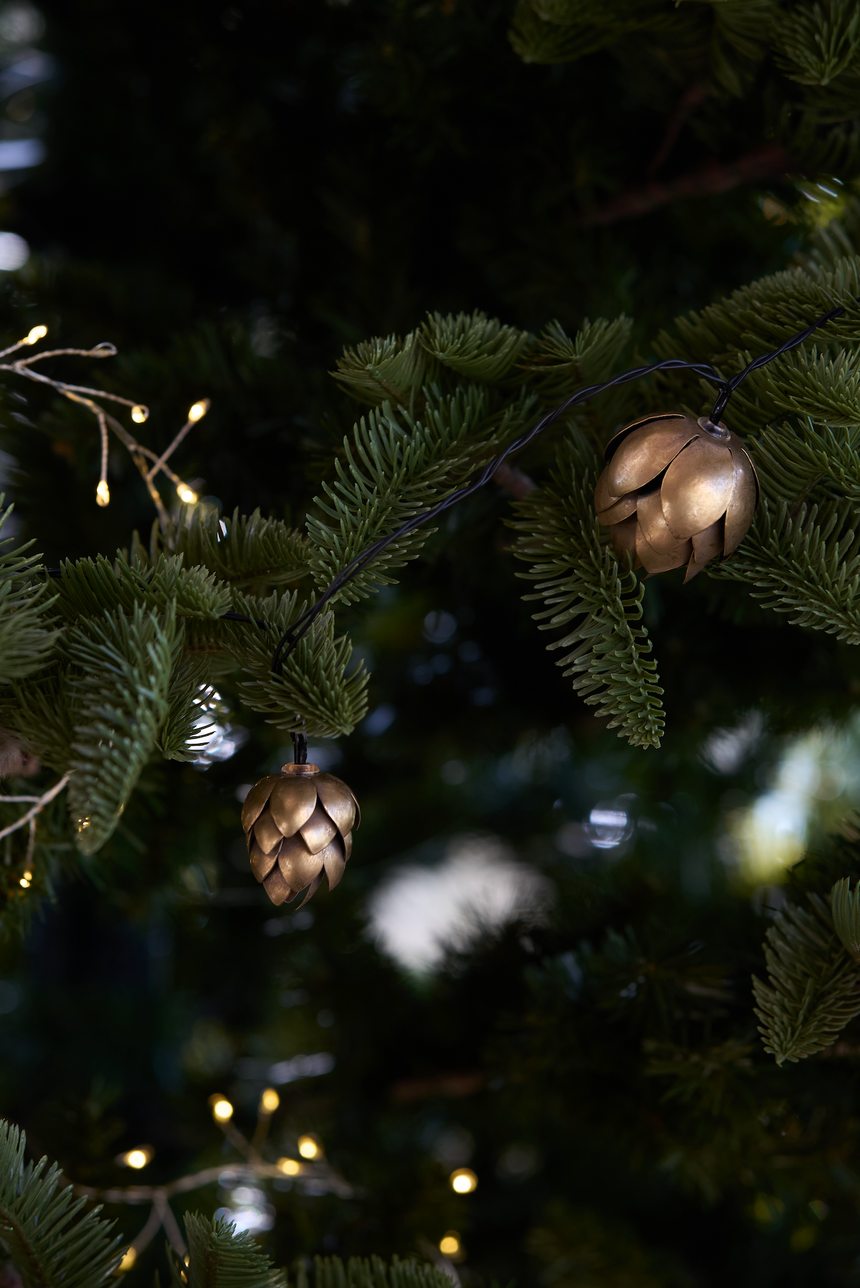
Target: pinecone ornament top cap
[(676, 492), (298, 824)]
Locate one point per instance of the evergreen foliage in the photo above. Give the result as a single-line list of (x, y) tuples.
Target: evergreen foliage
[(218, 1257), (47, 1239)]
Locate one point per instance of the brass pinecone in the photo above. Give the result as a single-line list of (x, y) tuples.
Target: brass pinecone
[(298, 824), (675, 492)]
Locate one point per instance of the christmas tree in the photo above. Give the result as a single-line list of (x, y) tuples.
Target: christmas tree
[(583, 1006)]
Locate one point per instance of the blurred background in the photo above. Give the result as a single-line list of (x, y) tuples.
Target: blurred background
[(537, 967)]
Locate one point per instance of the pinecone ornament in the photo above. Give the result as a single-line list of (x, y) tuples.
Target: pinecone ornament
[(675, 492), (298, 824)]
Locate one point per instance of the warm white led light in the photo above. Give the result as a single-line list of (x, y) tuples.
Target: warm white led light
[(103, 493), (198, 409), (463, 1181), (308, 1147), (186, 494), (37, 333), (139, 414), (289, 1166), (222, 1110), (269, 1101)]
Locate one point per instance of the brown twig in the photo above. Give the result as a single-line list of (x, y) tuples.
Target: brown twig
[(709, 180), (514, 482), (690, 100)]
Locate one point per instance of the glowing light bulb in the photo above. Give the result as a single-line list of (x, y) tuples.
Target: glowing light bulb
[(103, 493), (463, 1181), (128, 1259), (269, 1101), (222, 1110), (289, 1166), (136, 1158), (24, 882), (450, 1243), (28, 875), (198, 409), (37, 333), (186, 494), (308, 1147), (139, 414)]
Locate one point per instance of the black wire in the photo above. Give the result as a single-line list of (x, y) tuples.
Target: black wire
[(302, 625)]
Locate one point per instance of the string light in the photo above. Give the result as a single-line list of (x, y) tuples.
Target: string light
[(463, 1181), (24, 882), (103, 493), (128, 1259), (139, 413), (37, 333), (289, 1166), (309, 1147), (136, 1158), (187, 494), (449, 1244), (269, 1101), (222, 1110), (198, 409)]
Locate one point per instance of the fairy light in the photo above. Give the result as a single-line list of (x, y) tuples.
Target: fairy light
[(136, 1158), (449, 1244), (289, 1166), (139, 414), (24, 882), (128, 1259), (103, 493), (199, 409), (308, 1147), (222, 1110), (269, 1101), (463, 1181), (37, 333), (186, 494)]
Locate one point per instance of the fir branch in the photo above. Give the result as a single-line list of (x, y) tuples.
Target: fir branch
[(185, 731), (579, 579), (91, 587), (47, 1245), (313, 694), (26, 640), (385, 369), (845, 910), (372, 1272), (817, 43), (559, 362), (395, 467), (808, 565), (247, 551), (120, 687), (475, 346), (813, 987), (218, 1257)]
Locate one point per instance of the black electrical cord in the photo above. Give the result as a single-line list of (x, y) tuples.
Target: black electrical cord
[(302, 625)]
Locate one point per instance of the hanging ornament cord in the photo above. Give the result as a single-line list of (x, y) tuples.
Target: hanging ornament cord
[(291, 637)]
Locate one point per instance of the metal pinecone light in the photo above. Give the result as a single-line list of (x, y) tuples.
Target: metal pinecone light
[(298, 824), (675, 492)]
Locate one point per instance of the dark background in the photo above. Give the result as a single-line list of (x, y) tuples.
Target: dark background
[(231, 196)]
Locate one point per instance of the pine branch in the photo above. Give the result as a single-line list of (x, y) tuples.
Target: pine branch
[(813, 987), (806, 565), (246, 550), (26, 642), (47, 1245), (120, 687), (579, 579), (313, 694), (91, 587), (218, 1257), (396, 466)]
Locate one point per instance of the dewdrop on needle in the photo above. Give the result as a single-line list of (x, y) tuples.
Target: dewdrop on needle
[(37, 333), (198, 409), (103, 493)]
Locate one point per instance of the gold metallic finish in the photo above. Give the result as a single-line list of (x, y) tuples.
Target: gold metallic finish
[(256, 799), (299, 826), (744, 500), (261, 864), (676, 492), (267, 834), (622, 509), (697, 487), (645, 453), (292, 802), (338, 800), (318, 830)]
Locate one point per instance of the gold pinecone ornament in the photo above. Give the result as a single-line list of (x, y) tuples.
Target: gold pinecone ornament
[(676, 492), (298, 824)]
